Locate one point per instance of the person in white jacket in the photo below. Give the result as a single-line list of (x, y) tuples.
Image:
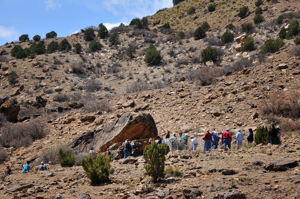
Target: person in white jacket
[(239, 137), (194, 142)]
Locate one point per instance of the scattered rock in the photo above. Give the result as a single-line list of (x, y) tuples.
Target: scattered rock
[(19, 187), (191, 192), (11, 109), (281, 66), (128, 160), (281, 164), (84, 196), (229, 172), (49, 174), (234, 195), (75, 104)]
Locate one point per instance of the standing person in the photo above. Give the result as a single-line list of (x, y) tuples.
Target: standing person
[(194, 142), (207, 141), (174, 143), (278, 135), (8, 171), (215, 140), (239, 138), (127, 149), (273, 135), (160, 140), (184, 139), (226, 138), (250, 136), (26, 167)]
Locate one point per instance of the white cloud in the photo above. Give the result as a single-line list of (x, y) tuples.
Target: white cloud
[(109, 26), (52, 4), (9, 33), (138, 8)]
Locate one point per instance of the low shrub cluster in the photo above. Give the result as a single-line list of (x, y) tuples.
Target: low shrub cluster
[(248, 44), (66, 157), (209, 54), (211, 7), (272, 45), (89, 34), (78, 48), (227, 37), (64, 45), (262, 135), (18, 135), (243, 12), (247, 27), (51, 34), (297, 40), (152, 56), (258, 18), (192, 10), (230, 26), (258, 3), (103, 32), (154, 155), (52, 47), (24, 38), (95, 46), (12, 77), (130, 51), (173, 171), (282, 103), (97, 170), (113, 39), (37, 38)]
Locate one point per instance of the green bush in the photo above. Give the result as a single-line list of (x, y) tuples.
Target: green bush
[(12, 77), (154, 155), (247, 27), (258, 3), (211, 7), (139, 23), (243, 11), (37, 49), (89, 34), (290, 16), (24, 38), (37, 38), (166, 26), (258, 19), (95, 46), (15, 50), (130, 51), (230, 26), (103, 32), (262, 135), (205, 26), (192, 10), (52, 47), (152, 56), (64, 45), (181, 34), (209, 54), (51, 34), (272, 45), (227, 37), (97, 170), (66, 157), (279, 19), (258, 10), (113, 39), (248, 44), (282, 33), (77, 48), (293, 29), (175, 2), (199, 33), (297, 40)]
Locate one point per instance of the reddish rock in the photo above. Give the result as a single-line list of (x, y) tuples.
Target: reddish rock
[(11, 109)]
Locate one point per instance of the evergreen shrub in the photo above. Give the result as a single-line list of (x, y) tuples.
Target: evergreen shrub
[(66, 157), (262, 135)]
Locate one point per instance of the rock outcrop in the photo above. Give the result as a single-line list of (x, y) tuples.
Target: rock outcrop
[(281, 164), (10, 108)]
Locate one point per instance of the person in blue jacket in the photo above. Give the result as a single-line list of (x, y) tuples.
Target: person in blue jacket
[(26, 167)]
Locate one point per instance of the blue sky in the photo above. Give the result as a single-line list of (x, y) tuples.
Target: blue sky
[(38, 17)]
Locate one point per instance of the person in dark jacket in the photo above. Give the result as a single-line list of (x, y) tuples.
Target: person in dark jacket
[(127, 149), (273, 135), (250, 136)]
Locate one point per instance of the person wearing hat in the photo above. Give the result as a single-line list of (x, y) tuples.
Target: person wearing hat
[(43, 167), (173, 141), (127, 149), (226, 138), (239, 138)]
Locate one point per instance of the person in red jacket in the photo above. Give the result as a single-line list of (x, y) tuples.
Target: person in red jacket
[(226, 138), (207, 141)]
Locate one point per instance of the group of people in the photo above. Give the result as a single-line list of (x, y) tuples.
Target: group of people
[(211, 140)]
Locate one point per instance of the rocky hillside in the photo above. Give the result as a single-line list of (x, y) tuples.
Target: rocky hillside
[(59, 98)]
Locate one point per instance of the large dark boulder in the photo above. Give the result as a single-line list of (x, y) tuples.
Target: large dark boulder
[(129, 127), (281, 164), (137, 128), (10, 108)]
